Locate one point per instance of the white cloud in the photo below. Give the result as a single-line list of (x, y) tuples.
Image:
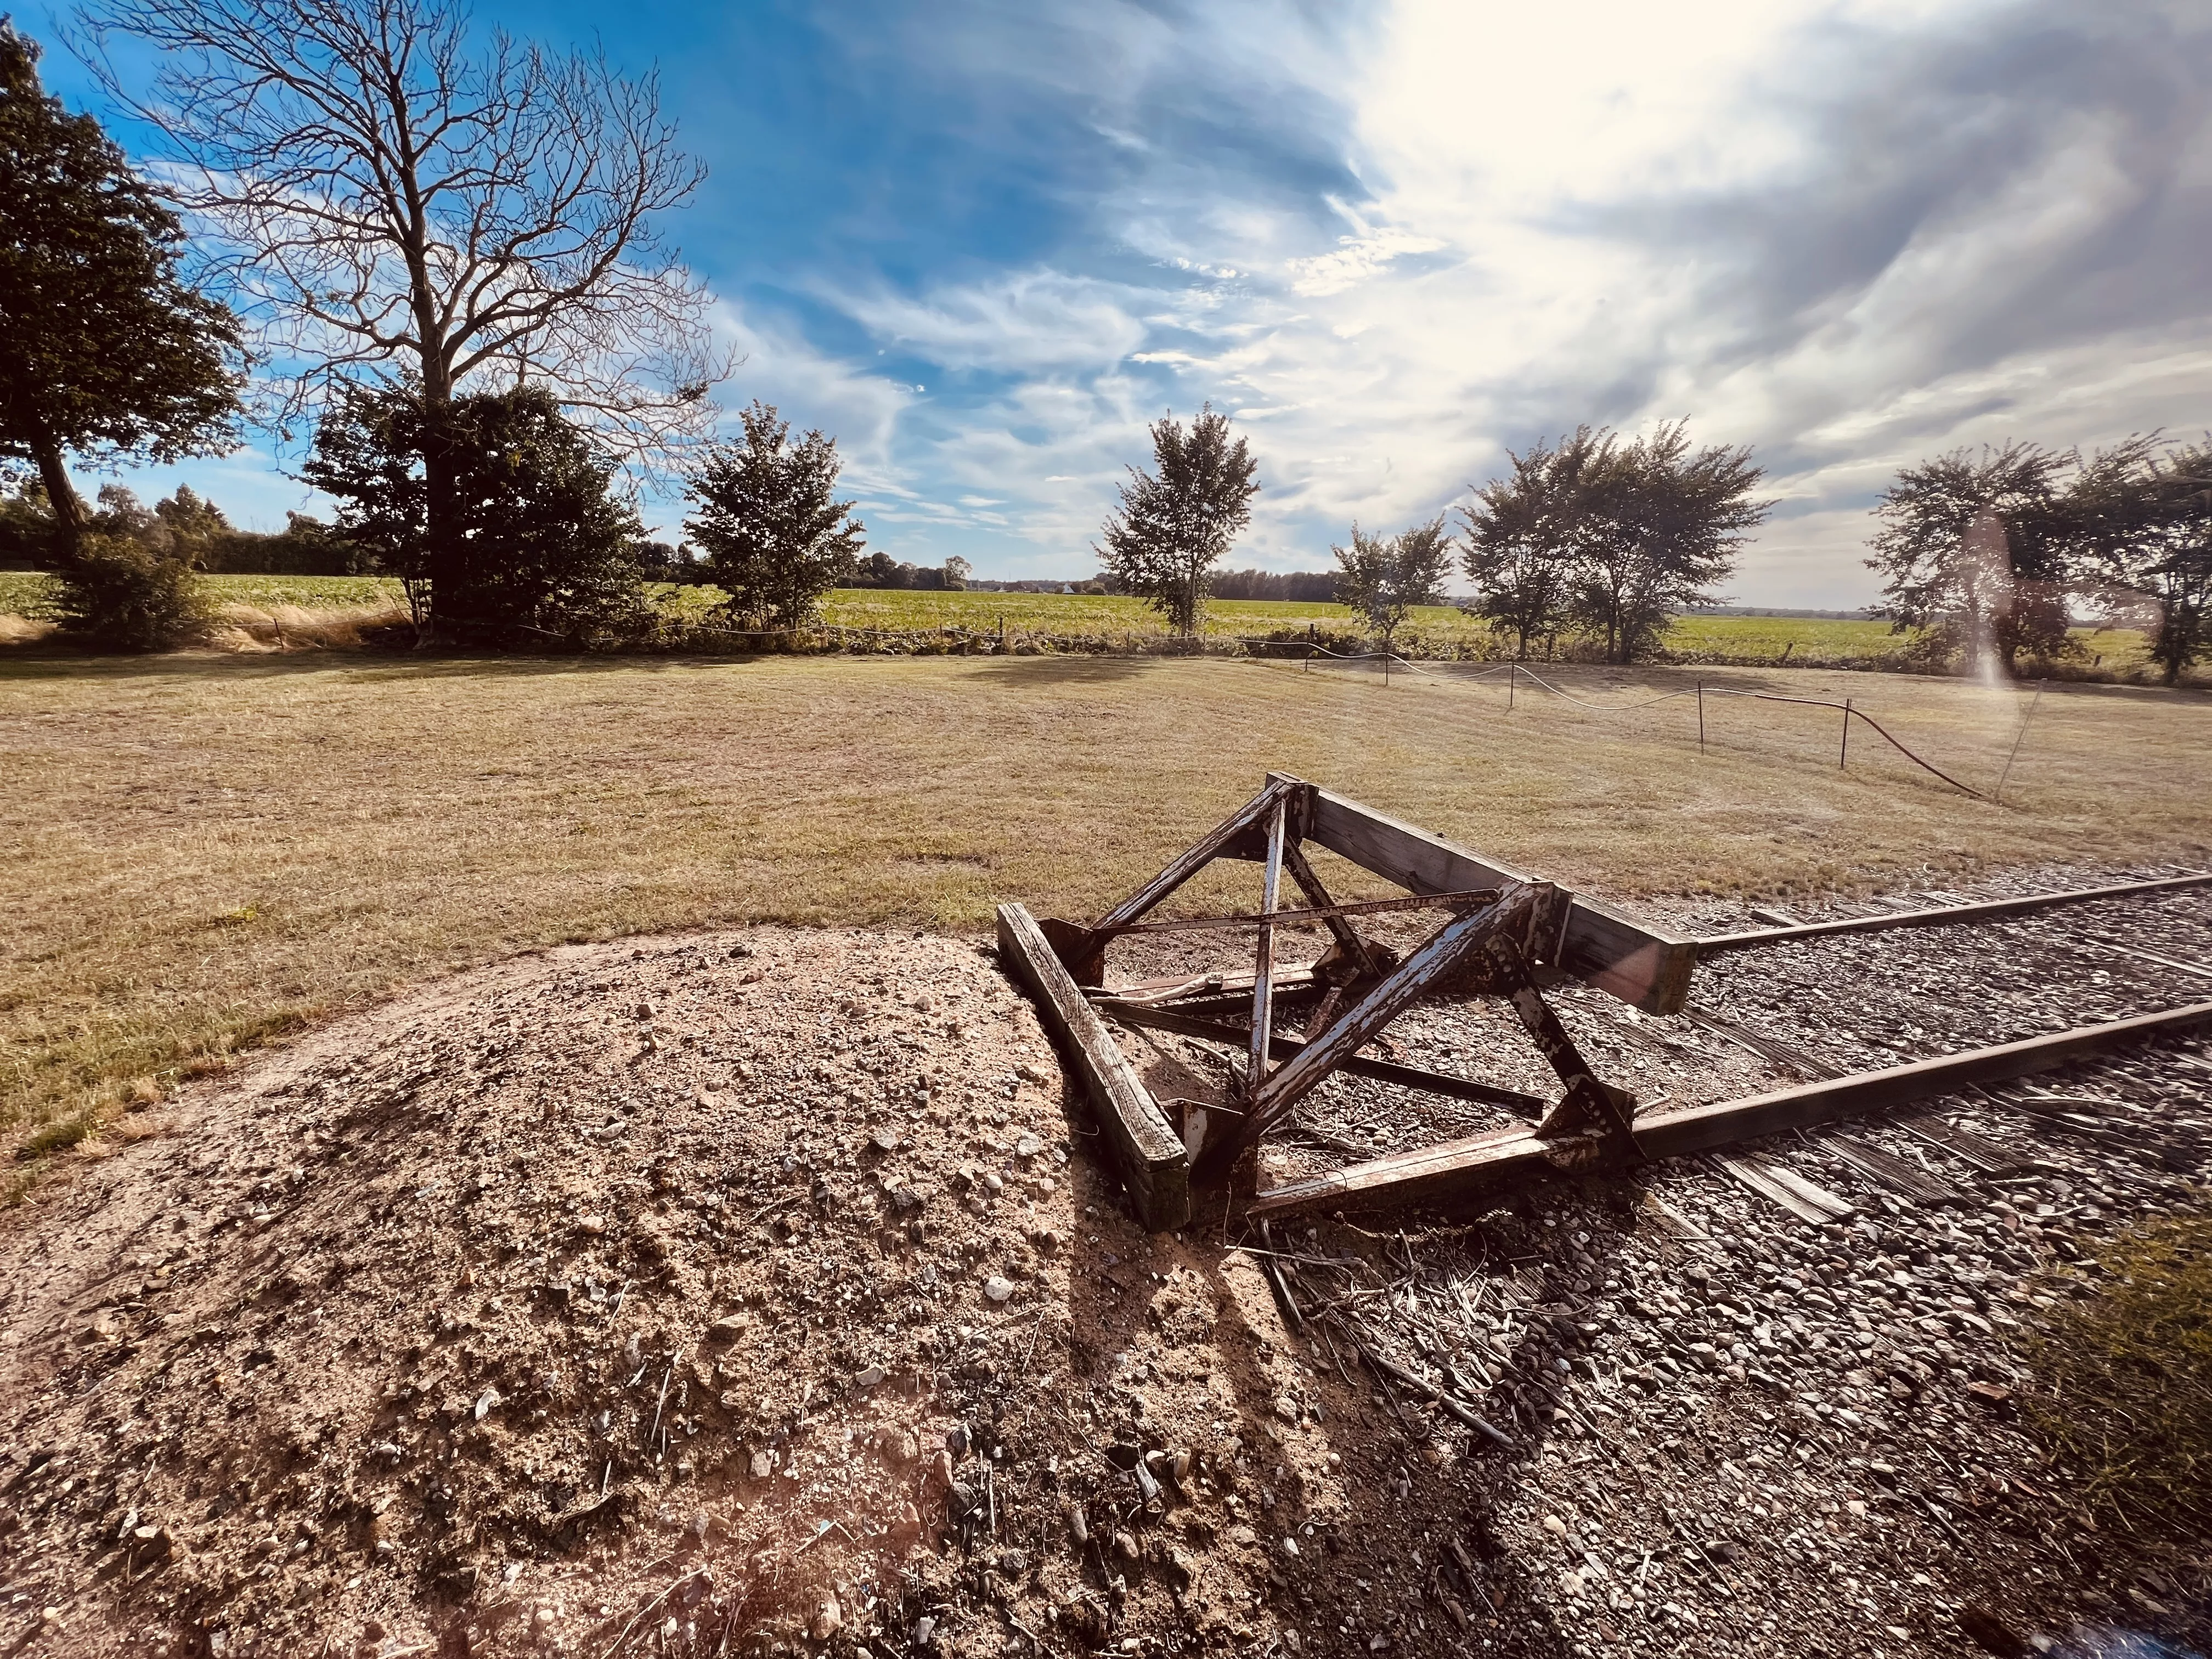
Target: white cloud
[(1042, 319), (1852, 234)]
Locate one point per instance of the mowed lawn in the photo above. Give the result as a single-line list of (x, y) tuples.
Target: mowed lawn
[(211, 850)]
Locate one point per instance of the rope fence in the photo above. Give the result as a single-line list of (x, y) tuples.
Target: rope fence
[(836, 638), (1515, 672)]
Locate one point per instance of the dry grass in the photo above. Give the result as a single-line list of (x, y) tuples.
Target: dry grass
[(2125, 1394), (212, 850)]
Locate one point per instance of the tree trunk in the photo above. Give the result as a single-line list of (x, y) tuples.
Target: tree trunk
[(442, 557), (61, 500)]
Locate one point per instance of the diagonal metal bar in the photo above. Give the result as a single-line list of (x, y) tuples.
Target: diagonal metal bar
[(1263, 955), (1330, 914)]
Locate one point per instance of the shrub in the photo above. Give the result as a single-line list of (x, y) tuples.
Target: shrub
[(122, 595)]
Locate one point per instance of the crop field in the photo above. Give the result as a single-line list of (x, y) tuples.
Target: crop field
[(22, 592), (212, 850), (1108, 619)]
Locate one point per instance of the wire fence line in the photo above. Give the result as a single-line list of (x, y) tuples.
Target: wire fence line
[(1517, 672), (1310, 651)]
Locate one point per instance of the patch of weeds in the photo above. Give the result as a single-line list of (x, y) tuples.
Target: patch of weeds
[(2124, 1386), (57, 1135)]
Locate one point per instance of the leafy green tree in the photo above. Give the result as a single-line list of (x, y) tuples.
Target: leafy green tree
[(195, 525), (1175, 524), (1657, 530), (1384, 577), (1974, 552), (103, 350), (771, 533), (1521, 538), (546, 547), (2140, 526)]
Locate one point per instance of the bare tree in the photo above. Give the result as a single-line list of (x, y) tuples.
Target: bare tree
[(387, 195)]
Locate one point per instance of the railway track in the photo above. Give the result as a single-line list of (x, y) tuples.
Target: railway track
[(1762, 1398), (2016, 1171)]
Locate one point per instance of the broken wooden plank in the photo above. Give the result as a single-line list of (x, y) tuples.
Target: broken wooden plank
[(1643, 965), (1282, 1046), (1174, 986), (1946, 915), (1901, 1177), (1991, 1156), (1503, 1156), (1783, 1186), (1787, 1056), (1153, 1164)]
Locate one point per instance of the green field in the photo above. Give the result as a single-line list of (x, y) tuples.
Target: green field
[(22, 591), (1107, 620)]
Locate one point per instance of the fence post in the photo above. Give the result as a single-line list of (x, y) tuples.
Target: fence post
[(1996, 795), (1701, 717), (1843, 754), (1512, 680)]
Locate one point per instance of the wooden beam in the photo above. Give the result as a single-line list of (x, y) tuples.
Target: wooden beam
[(1211, 845), (1506, 1156), (1263, 956), (1282, 1047), (1946, 915), (1430, 966), (1154, 1164), (1643, 965)]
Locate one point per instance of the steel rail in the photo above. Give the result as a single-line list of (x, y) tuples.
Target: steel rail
[(1944, 916), (1505, 1156)]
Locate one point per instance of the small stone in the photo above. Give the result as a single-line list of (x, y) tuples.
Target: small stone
[(1556, 1527), (485, 1403), (868, 1378), (728, 1328), (1125, 1546), (1242, 1535), (902, 1447), (1291, 1548), (924, 1628), (997, 1288), (762, 1465), (885, 1139), (1286, 1409), (1029, 1073), (829, 1619), (592, 1226), (1028, 1147), (956, 1442)]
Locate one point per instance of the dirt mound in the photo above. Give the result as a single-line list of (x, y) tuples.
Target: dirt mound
[(703, 1291)]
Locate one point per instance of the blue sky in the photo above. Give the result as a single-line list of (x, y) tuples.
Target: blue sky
[(983, 244)]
